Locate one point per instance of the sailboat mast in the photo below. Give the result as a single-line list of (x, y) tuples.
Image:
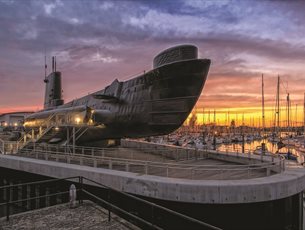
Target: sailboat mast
[(263, 105), (296, 116), (304, 116), (288, 112), (278, 102)]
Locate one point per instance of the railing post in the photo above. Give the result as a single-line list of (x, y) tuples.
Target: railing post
[(272, 157), (146, 168), (8, 198), (267, 171), (94, 163), (167, 170), (152, 215), (80, 181), (109, 208)]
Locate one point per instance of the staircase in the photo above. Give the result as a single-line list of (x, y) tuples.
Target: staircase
[(49, 133), (49, 129)]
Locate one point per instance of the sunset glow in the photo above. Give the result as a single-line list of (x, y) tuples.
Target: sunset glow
[(98, 41)]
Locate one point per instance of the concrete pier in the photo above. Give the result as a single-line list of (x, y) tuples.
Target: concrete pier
[(287, 183)]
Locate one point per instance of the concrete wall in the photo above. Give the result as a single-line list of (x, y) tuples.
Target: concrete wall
[(278, 186)]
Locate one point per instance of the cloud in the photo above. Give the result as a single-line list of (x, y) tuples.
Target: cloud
[(103, 41), (49, 8), (106, 5)]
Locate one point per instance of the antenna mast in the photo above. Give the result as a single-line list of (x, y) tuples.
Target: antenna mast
[(45, 66)]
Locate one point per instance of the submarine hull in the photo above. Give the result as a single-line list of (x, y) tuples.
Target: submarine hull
[(156, 102), (160, 109)]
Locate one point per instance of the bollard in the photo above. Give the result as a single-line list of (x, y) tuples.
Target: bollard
[(72, 196)]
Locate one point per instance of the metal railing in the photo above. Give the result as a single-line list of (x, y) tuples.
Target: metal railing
[(167, 169), (147, 215)]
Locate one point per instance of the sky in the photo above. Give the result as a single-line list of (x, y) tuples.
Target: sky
[(98, 41)]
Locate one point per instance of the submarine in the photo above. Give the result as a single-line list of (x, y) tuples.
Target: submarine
[(156, 102)]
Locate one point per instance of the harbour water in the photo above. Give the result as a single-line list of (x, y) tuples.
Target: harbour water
[(289, 142), (253, 145)]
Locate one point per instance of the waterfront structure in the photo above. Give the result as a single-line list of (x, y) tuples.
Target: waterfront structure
[(229, 190)]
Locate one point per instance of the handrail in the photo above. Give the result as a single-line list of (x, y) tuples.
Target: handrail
[(148, 168), (23, 138), (115, 159), (39, 182), (153, 204), (121, 210), (111, 207)]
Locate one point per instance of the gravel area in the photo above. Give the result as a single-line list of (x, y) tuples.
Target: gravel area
[(87, 216)]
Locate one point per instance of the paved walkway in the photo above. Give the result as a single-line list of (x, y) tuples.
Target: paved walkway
[(88, 216)]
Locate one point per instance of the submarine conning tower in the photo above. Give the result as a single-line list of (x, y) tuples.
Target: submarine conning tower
[(174, 54), (53, 91)]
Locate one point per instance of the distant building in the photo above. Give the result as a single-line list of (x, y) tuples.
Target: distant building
[(13, 119)]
